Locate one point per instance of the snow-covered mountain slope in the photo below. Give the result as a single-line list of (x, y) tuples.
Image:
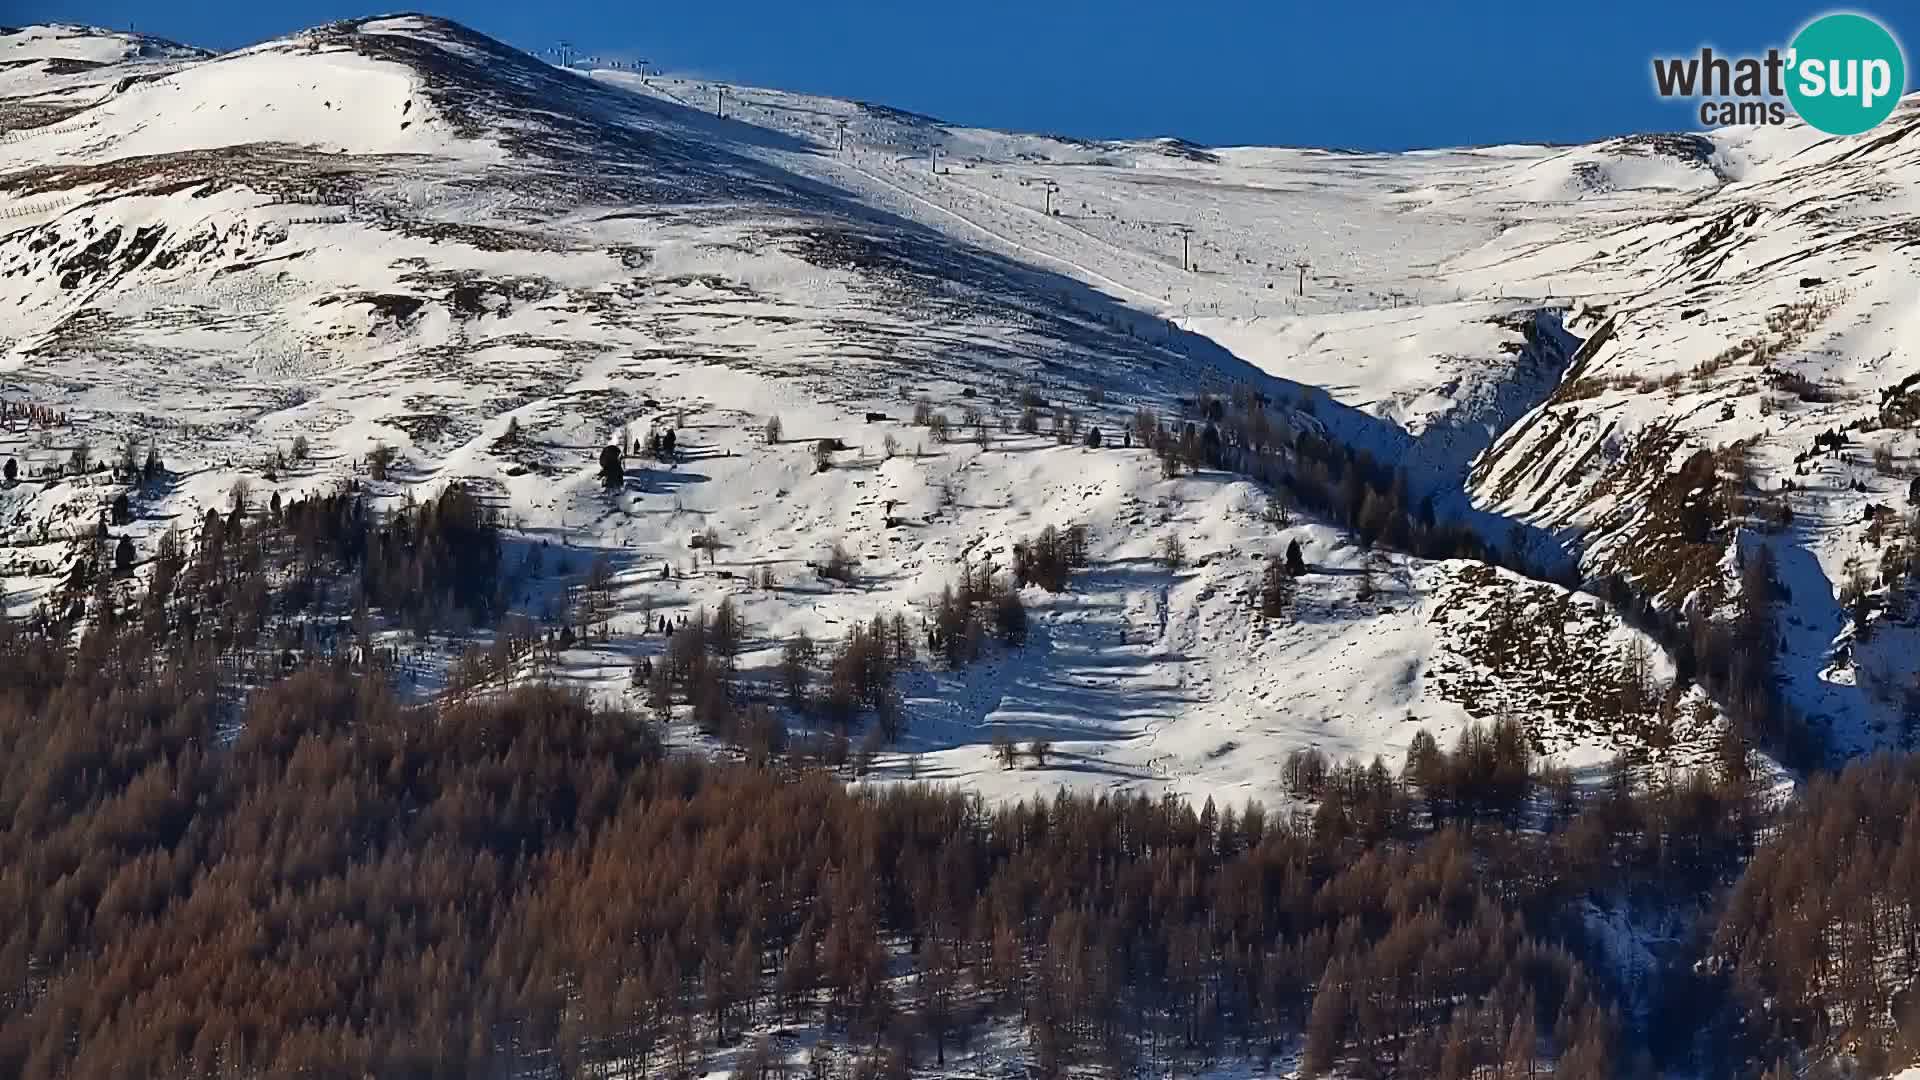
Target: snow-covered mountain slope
[(395, 231), (50, 73), (1719, 258), (1748, 322), (1414, 278)]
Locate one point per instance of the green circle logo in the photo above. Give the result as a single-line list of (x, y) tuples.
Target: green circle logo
[(1848, 74)]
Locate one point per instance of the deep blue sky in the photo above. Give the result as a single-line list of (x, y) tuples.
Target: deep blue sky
[(1351, 73)]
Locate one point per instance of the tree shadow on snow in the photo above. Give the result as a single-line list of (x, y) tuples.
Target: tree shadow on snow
[(1073, 682)]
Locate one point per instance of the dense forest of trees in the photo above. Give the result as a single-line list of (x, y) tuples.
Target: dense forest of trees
[(1821, 937), (519, 884)]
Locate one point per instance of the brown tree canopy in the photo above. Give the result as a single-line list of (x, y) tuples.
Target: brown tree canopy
[(229, 846)]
